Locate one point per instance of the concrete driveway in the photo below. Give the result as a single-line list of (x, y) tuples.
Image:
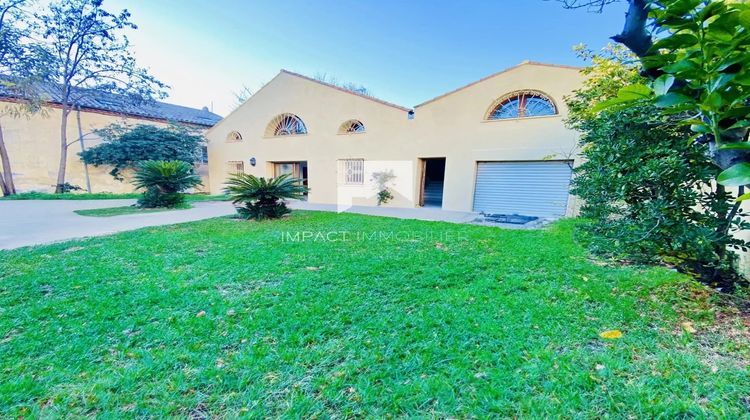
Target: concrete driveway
[(35, 222)]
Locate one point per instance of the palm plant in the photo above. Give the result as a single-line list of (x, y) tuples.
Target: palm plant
[(164, 182), (262, 198)]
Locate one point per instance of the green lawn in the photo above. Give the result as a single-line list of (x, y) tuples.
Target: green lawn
[(101, 196), (119, 211), (226, 317)]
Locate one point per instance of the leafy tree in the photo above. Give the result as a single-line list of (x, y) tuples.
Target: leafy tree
[(695, 55), (126, 146), (647, 191), (17, 64), (262, 198), (86, 54), (164, 182)]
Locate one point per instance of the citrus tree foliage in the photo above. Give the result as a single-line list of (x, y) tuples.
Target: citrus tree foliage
[(696, 55), (164, 182), (125, 146), (648, 191)]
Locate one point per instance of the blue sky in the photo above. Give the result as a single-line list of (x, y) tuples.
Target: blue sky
[(403, 51)]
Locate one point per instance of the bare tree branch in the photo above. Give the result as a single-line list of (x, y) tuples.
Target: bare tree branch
[(596, 6)]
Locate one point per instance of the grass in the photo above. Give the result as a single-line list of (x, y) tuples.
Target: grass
[(101, 196), (125, 210), (225, 318)]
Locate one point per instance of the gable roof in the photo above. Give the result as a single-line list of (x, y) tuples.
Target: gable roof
[(371, 98), (525, 63), (120, 104)]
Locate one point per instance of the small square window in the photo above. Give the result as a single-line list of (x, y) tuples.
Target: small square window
[(236, 167), (351, 171)]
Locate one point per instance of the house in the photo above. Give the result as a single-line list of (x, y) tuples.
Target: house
[(497, 146), (33, 142)]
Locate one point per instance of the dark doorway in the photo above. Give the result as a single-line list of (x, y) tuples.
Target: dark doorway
[(295, 169), (433, 178)]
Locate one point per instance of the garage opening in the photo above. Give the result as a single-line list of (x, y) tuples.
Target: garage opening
[(433, 178), (531, 188)]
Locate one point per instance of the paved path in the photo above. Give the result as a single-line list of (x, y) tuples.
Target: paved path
[(36, 222), (421, 213)]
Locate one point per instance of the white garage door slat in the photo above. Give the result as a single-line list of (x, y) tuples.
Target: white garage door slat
[(525, 188)]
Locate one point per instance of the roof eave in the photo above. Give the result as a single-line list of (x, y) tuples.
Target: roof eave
[(380, 101), (524, 63)]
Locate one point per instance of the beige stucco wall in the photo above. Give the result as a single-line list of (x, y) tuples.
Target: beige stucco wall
[(34, 148), (450, 127)]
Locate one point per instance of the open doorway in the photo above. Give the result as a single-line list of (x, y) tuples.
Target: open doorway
[(433, 178), (295, 169)]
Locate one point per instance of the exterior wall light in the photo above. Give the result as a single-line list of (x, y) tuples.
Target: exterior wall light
[(252, 161)]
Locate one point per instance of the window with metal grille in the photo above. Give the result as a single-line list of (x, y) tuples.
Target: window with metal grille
[(204, 155), (352, 127), (286, 125), (234, 137), (236, 167), (522, 104), (352, 171)]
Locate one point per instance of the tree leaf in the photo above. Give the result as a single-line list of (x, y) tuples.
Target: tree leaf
[(610, 103), (714, 100), (611, 334), (672, 99), (634, 92), (735, 175), (740, 124), (743, 145), (700, 128), (745, 18), (743, 79), (681, 66), (743, 197), (663, 83), (676, 41)]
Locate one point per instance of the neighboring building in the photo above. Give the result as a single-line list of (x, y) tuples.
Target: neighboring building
[(497, 145), (33, 143)]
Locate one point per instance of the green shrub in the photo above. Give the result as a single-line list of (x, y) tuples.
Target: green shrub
[(164, 182), (124, 147), (645, 188), (262, 198)]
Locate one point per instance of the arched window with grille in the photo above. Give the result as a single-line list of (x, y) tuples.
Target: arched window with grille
[(522, 104), (286, 125), (234, 137), (352, 127)]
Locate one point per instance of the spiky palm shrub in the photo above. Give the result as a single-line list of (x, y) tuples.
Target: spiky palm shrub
[(163, 182), (260, 198)]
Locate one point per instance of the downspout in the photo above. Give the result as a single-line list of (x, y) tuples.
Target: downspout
[(83, 149)]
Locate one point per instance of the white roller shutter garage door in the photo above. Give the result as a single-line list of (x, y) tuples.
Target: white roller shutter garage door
[(538, 188)]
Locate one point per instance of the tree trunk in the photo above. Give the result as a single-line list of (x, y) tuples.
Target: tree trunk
[(3, 188), (8, 186), (63, 150), (83, 149)]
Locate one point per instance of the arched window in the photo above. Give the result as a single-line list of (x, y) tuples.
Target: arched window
[(524, 104), (286, 125), (234, 137), (351, 127)]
